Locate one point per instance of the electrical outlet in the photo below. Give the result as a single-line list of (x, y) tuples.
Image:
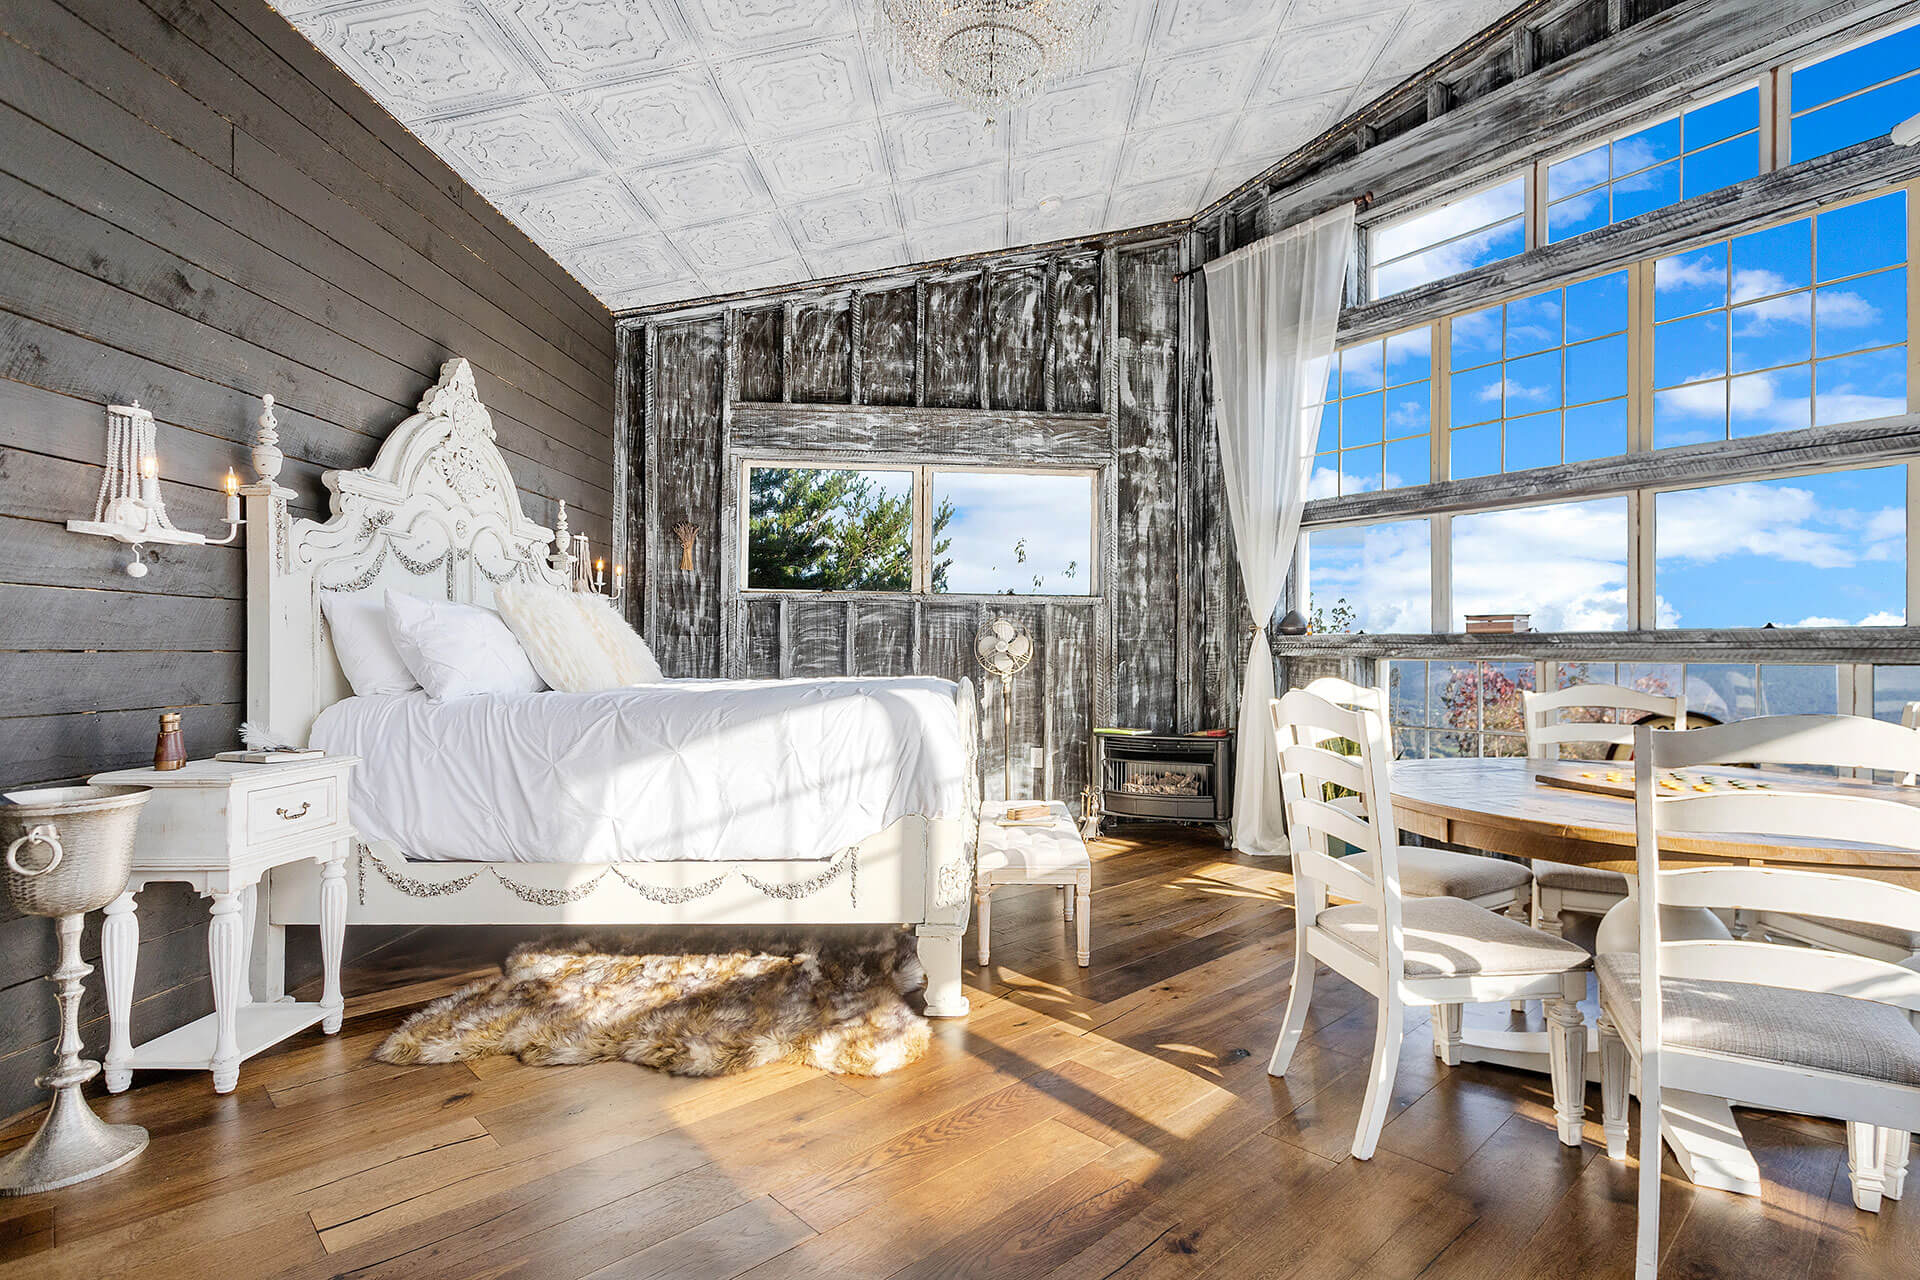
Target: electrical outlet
[(1036, 758)]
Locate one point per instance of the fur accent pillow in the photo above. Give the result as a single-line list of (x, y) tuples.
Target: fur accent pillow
[(456, 650), (358, 623), (632, 657), (551, 626)]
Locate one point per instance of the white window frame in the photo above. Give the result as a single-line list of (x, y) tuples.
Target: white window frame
[(1782, 76), (1775, 142), (1641, 550)]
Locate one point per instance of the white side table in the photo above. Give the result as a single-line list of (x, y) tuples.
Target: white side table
[(1053, 854), (220, 827)]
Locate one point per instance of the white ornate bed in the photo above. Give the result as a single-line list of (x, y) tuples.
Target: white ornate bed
[(437, 513)]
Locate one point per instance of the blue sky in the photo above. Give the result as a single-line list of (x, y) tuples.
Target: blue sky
[(995, 510)]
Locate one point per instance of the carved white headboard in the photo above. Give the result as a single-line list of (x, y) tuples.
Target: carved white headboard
[(436, 515)]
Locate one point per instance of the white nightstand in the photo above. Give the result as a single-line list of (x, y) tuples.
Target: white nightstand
[(220, 827)]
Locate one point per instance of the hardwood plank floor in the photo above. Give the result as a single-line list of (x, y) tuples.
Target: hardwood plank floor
[(1115, 1121)]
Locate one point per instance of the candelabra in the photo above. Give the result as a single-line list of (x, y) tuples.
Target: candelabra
[(129, 507)]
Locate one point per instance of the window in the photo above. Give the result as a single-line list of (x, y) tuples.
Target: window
[(1469, 232), (1376, 578), (1660, 164), (1808, 551), (1798, 325), (913, 527), (1457, 708), (1723, 690), (1893, 689), (1541, 380), (1565, 565), (822, 529), (1377, 423), (1012, 533), (1855, 95)]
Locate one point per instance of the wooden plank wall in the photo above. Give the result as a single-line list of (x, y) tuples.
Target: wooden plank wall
[(196, 207), (1068, 358)]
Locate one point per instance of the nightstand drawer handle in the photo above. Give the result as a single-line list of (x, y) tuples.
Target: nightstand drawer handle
[(301, 812)]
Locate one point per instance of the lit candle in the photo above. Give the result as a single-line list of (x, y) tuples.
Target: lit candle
[(599, 573), (150, 480), (232, 485)]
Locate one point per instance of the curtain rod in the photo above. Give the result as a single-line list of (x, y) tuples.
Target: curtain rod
[(1360, 204)]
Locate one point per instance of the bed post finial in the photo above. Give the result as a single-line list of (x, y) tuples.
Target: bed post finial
[(561, 561), (267, 458)]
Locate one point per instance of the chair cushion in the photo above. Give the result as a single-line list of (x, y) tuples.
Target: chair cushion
[(1448, 938), (1443, 873), (1770, 1024), (1561, 875)]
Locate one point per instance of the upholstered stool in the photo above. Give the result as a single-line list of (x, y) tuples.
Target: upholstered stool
[(1053, 854)]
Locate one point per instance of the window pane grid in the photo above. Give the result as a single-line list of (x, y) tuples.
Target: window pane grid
[(1470, 231), (1540, 380), (1469, 708), (1856, 94), (1658, 164), (1376, 419), (1798, 325)]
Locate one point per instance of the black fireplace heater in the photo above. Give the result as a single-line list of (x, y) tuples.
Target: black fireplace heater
[(1166, 778)]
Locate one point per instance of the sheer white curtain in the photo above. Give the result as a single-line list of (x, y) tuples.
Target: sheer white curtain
[(1271, 311)]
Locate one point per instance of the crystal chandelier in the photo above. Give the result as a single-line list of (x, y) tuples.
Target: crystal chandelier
[(988, 54)]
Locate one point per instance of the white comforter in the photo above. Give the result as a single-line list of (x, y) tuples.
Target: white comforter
[(684, 770)]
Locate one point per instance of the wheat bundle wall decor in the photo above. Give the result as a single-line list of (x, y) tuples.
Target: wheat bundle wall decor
[(686, 533)]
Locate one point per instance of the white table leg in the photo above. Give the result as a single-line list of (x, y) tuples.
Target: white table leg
[(119, 951), (227, 963), (1083, 921), (333, 934)]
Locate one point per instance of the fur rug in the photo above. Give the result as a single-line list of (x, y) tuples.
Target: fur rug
[(683, 1006)]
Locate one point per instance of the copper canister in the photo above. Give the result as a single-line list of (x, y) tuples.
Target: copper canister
[(170, 748)]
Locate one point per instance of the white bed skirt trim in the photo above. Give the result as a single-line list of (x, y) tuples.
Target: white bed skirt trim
[(900, 875)]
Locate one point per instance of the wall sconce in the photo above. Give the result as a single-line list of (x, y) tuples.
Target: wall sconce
[(129, 507)]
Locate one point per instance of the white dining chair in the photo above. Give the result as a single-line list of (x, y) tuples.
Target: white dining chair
[(1560, 889), (1896, 946), (1405, 952), (1497, 884), (1762, 1024)]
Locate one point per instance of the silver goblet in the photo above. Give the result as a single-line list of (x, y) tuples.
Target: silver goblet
[(69, 850)]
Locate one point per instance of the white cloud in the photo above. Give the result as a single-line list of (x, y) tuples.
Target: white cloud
[(1564, 564), (1690, 271)]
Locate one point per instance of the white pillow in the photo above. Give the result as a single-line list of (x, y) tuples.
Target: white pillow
[(358, 621), (455, 650), (632, 658), (552, 628)]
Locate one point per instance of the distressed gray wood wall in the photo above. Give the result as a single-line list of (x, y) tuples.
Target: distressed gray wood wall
[(1067, 358), (197, 207)]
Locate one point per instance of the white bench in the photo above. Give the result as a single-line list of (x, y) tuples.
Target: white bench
[(1053, 854)]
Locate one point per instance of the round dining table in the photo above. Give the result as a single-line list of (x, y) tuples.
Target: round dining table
[(1500, 805)]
